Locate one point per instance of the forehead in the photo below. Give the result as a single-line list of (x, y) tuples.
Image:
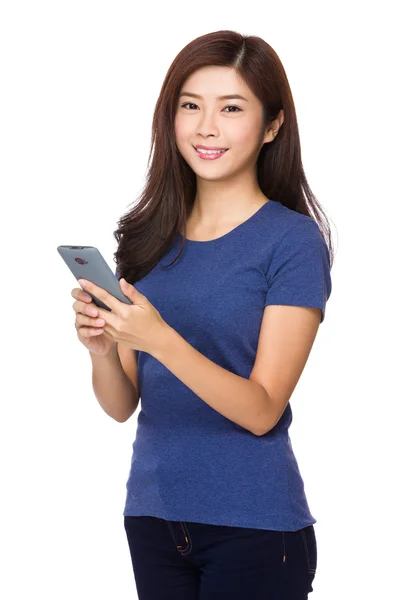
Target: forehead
[(211, 82)]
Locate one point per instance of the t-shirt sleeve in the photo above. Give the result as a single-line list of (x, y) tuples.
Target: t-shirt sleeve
[(299, 273)]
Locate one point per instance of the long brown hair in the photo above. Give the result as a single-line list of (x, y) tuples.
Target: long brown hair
[(146, 232)]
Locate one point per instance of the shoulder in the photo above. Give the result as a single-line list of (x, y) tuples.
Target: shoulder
[(290, 229), (287, 221), (295, 245)]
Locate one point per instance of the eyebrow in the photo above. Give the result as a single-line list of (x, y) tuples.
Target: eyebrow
[(226, 97)]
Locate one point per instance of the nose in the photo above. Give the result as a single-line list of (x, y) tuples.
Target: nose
[(207, 124)]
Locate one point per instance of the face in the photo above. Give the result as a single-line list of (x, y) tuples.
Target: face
[(234, 124)]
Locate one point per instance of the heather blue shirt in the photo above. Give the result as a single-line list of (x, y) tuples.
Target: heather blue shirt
[(189, 462)]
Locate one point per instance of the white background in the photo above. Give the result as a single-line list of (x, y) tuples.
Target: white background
[(79, 83)]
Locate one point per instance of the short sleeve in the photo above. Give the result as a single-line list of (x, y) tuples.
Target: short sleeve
[(299, 273)]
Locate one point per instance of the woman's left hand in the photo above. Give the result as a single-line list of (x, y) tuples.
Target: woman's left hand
[(138, 325)]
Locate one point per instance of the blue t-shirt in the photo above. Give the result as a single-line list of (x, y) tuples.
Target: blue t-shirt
[(189, 462)]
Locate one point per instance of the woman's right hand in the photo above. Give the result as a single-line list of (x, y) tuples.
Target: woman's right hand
[(89, 329)]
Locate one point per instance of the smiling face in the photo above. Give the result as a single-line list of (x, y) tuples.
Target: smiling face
[(234, 124)]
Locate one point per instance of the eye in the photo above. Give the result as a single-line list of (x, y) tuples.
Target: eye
[(233, 106), (230, 106)]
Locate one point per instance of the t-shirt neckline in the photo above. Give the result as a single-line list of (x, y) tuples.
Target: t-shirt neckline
[(222, 237)]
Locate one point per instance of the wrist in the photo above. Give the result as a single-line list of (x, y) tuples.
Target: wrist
[(162, 341), (110, 355)]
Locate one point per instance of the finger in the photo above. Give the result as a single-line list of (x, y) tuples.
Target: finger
[(89, 321), (80, 295), (113, 303), (87, 309), (89, 331)]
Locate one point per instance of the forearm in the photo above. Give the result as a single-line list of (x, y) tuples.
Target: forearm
[(239, 399), (113, 389)]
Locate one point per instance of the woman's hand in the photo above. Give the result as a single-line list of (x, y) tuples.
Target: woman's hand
[(89, 329), (138, 325)]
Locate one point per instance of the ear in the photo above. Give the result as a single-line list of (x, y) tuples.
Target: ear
[(274, 127)]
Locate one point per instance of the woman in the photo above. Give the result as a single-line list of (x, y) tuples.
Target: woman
[(234, 275)]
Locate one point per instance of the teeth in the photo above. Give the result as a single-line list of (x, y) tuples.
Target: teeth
[(200, 150)]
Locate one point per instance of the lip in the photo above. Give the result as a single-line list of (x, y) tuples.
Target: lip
[(217, 156)]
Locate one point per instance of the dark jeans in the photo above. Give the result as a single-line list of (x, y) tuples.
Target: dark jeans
[(178, 560)]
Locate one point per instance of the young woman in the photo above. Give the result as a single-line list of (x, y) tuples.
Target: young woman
[(230, 278)]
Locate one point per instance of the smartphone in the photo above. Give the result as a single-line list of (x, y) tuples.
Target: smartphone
[(86, 262)]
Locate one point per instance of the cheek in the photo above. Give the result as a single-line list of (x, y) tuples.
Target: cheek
[(181, 130), (245, 136), (182, 137)]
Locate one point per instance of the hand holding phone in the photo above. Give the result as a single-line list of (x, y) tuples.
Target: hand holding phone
[(89, 330), (86, 262), (139, 325)]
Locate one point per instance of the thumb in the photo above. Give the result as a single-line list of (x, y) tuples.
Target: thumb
[(130, 291)]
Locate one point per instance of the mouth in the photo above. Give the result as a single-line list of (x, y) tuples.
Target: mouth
[(210, 154)]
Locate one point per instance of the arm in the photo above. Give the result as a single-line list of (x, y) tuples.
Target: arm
[(239, 399), (141, 327), (256, 403), (112, 387)]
